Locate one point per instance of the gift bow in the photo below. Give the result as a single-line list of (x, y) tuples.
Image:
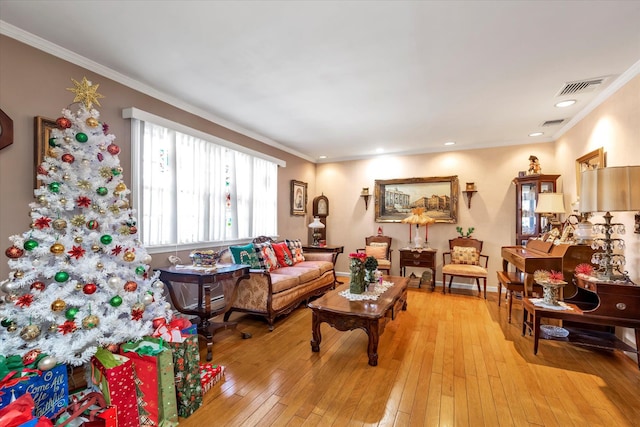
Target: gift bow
[(170, 332), (10, 381)]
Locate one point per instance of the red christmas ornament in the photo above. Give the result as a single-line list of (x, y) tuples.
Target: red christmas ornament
[(14, 252), (136, 314), (113, 149), (77, 252), (63, 123), (42, 222), (24, 300), (92, 225), (38, 285), (133, 229), (42, 170), (31, 356), (100, 157), (130, 286), (83, 202), (89, 288), (67, 327), (114, 348), (68, 158)]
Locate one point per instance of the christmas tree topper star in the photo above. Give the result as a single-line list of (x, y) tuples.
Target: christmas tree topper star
[(86, 92)]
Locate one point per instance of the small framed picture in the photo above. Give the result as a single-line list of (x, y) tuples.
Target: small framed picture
[(298, 197)]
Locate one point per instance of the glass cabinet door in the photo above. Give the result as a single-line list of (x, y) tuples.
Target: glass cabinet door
[(527, 190)]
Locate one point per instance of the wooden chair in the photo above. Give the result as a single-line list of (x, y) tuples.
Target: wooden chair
[(513, 282), (380, 248), (465, 259)]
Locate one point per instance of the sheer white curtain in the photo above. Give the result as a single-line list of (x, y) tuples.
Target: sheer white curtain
[(194, 191)]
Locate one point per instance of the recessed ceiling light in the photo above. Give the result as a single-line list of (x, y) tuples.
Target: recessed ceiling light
[(379, 150), (536, 134), (450, 143), (566, 103), (322, 157)]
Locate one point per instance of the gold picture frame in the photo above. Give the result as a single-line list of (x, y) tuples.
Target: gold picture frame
[(43, 128), (590, 161), (394, 198)]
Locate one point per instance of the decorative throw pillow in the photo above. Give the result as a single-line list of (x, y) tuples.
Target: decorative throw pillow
[(465, 255), (245, 255), (295, 246), (283, 254), (266, 256), (378, 252)]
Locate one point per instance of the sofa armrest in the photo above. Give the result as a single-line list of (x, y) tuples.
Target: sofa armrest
[(318, 256)]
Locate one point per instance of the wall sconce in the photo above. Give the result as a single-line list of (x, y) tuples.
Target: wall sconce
[(365, 195), (470, 190)]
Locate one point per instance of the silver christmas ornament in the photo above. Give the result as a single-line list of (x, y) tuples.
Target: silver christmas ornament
[(47, 363)]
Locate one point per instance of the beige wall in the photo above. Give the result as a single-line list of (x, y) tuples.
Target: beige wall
[(33, 83)]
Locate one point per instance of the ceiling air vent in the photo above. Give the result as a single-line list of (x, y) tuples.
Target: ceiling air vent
[(553, 122), (582, 86)]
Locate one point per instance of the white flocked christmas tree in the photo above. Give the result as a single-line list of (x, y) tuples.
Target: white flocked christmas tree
[(80, 277)]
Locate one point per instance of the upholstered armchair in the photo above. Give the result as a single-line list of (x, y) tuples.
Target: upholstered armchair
[(379, 247), (465, 259)]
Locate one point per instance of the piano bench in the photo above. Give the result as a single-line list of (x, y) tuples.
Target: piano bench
[(513, 282)]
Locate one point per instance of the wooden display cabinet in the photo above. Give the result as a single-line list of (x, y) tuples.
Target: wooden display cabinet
[(527, 189)]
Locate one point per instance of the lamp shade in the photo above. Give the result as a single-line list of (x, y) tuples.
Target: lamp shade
[(316, 223), (550, 203), (610, 189)]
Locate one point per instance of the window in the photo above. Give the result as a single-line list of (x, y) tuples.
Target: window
[(191, 188)]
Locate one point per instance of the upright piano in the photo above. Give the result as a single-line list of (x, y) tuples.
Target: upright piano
[(539, 255)]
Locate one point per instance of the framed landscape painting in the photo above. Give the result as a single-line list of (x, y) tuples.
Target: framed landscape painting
[(394, 198)]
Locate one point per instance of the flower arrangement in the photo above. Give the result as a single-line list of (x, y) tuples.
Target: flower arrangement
[(356, 279), (544, 276), (585, 269)]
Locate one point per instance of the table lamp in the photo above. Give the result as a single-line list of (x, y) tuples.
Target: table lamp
[(613, 189), (548, 205), (315, 225), (419, 217)]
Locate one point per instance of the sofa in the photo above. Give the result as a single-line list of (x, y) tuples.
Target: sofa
[(279, 280)]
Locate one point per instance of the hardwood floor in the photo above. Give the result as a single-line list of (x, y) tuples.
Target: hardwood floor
[(448, 360)]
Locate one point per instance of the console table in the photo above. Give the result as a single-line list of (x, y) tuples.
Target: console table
[(206, 279), (425, 258)]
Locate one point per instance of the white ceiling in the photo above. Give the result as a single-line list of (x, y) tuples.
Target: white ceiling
[(344, 78)]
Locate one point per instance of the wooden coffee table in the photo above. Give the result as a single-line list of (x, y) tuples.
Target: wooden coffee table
[(371, 316)]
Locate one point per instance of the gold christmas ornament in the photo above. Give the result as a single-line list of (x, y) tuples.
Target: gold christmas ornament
[(42, 200), (18, 274), (66, 177), (77, 239), (78, 286), (53, 327), (67, 139), (90, 322), (120, 188), (58, 305), (63, 201), (129, 256), (102, 211), (78, 220), (115, 209), (57, 249), (92, 121), (95, 248), (59, 224), (30, 332), (99, 266), (53, 169), (86, 92), (12, 328)]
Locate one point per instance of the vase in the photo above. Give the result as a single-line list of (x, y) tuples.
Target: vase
[(550, 291), (357, 283)]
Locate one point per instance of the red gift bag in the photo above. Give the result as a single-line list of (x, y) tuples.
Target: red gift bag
[(113, 375)]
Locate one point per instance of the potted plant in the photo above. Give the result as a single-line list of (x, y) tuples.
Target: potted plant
[(469, 232)]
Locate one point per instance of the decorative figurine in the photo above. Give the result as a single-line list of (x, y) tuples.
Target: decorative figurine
[(534, 166)]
